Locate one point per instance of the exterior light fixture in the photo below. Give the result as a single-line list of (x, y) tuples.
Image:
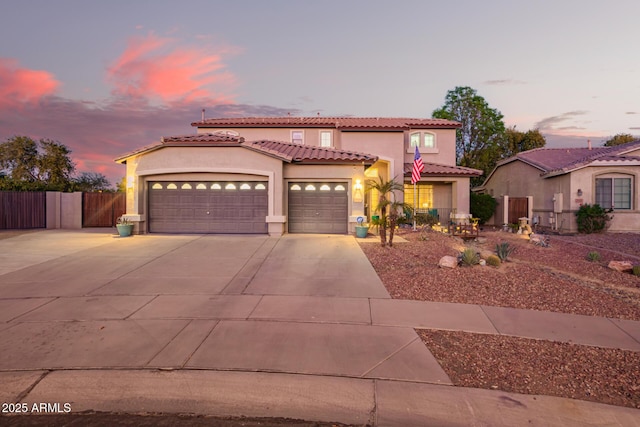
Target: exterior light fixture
[(357, 191), (579, 192)]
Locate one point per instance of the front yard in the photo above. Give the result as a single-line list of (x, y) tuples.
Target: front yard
[(558, 278)]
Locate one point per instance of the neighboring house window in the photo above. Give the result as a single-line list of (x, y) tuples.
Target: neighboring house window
[(297, 136), (613, 193), (325, 138)]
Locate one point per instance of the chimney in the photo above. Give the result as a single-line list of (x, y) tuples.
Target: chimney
[(589, 143), (203, 114)]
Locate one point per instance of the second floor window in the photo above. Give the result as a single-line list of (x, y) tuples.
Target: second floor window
[(325, 138), (422, 140), (297, 136)]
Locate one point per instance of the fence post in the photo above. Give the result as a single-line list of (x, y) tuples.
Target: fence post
[(52, 206)]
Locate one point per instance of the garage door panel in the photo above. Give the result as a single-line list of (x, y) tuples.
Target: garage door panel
[(208, 207), (316, 207)]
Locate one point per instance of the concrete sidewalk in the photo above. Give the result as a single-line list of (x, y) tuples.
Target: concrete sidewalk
[(298, 326)]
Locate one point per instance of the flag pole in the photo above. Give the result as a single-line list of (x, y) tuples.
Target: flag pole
[(414, 206)]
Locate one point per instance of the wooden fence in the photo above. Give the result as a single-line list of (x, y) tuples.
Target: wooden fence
[(22, 209), (102, 209)]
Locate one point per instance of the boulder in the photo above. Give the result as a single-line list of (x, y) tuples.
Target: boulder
[(621, 266), (448, 261)]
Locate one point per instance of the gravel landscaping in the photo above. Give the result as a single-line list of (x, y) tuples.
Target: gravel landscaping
[(557, 278)]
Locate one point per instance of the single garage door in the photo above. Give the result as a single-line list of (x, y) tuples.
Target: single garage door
[(318, 207), (208, 207)]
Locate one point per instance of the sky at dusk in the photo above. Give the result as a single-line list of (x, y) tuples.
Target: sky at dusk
[(107, 77)]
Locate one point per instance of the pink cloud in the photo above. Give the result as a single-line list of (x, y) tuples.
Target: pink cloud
[(22, 85), (156, 68)]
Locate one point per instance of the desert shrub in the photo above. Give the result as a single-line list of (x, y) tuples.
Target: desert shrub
[(482, 206), (636, 270), (426, 219), (593, 256), (503, 250), (592, 219), (493, 260), (469, 257)]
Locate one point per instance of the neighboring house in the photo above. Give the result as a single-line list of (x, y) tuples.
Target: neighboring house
[(289, 174), (555, 182)]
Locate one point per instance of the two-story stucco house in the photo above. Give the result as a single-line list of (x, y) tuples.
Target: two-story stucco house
[(289, 174)]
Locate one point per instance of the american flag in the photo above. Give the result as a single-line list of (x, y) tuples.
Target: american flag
[(418, 167)]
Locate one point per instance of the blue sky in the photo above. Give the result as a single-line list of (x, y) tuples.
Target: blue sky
[(106, 77)]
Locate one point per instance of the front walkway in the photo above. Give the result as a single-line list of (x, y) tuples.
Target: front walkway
[(298, 326)]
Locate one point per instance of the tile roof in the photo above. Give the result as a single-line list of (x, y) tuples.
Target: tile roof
[(306, 153), (343, 123), (285, 151), (435, 169), (557, 161)]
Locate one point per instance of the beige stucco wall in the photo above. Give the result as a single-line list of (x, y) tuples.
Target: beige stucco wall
[(517, 179), (331, 173), (388, 146), (311, 136), (444, 152), (204, 163)]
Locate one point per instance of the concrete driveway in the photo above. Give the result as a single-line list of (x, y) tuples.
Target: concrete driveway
[(222, 325)]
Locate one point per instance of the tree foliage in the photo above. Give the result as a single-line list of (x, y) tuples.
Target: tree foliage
[(482, 206), (619, 139), (29, 165), (516, 141), (479, 139)]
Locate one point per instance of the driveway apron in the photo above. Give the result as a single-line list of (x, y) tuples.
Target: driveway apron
[(298, 304)]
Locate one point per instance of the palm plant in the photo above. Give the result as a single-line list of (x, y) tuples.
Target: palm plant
[(387, 206)]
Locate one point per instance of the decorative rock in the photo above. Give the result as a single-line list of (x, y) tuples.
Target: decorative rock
[(448, 262), (621, 266), (481, 240), (483, 262)]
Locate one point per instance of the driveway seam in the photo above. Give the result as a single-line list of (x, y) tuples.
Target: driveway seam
[(141, 307), (142, 265), (390, 355), (247, 262), (168, 342), (28, 390), (33, 309), (489, 319), (623, 330), (188, 358)]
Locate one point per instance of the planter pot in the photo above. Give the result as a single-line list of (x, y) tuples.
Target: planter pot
[(361, 231), (124, 230)]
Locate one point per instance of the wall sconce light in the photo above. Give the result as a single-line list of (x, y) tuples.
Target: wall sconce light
[(579, 192), (357, 191)]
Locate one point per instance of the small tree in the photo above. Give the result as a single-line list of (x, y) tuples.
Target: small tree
[(482, 206), (386, 206), (592, 219)]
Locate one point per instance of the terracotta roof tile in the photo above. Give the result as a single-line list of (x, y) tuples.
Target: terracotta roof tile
[(435, 169), (307, 153), (344, 123), (286, 151)]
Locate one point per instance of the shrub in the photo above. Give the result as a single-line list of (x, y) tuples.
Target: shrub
[(493, 260), (503, 250), (482, 206), (636, 270), (592, 219), (593, 256), (469, 257)]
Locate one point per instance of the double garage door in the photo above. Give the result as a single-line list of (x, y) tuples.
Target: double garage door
[(317, 207), (208, 207)]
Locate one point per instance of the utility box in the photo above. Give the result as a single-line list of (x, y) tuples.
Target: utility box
[(557, 203)]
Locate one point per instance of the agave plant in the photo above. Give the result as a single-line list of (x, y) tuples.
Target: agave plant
[(503, 250)]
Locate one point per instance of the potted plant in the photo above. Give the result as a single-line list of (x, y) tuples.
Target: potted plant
[(361, 229), (124, 226)]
